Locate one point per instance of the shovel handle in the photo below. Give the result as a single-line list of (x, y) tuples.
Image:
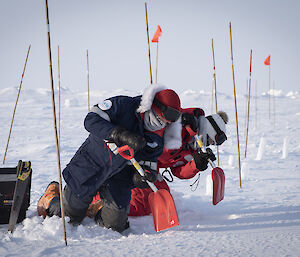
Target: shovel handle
[(121, 151), (199, 141)]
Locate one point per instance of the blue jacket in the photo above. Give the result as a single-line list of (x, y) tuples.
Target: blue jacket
[(94, 164)]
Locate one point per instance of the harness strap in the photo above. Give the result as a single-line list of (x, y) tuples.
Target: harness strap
[(171, 179), (195, 182)]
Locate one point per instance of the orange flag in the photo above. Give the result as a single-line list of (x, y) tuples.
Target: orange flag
[(268, 60), (156, 35)]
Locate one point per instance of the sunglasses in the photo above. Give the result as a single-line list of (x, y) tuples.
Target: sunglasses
[(220, 137), (168, 113)]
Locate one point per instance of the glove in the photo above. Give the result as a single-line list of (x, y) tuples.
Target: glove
[(189, 119), (140, 181), (211, 155), (121, 136), (201, 160)]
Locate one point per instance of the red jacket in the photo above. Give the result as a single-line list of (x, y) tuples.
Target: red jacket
[(181, 163)]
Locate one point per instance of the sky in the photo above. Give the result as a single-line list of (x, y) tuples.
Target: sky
[(114, 33)]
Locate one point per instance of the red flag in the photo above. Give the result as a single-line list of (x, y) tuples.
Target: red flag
[(268, 60), (156, 35)]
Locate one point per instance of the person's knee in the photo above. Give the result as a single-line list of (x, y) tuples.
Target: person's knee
[(74, 207), (115, 219)]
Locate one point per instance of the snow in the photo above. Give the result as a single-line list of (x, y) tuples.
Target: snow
[(260, 219)]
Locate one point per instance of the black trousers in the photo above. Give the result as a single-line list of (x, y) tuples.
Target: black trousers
[(109, 216)]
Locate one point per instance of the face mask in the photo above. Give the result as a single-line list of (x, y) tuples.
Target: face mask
[(152, 122)]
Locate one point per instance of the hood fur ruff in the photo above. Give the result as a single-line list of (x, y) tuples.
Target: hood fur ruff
[(172, 135), (148, 96)]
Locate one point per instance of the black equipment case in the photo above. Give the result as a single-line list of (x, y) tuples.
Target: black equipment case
[(9, 177)]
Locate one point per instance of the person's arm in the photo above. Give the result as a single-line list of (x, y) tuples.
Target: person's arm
[(102, 123), (185, 171), (97, 125), (100, 120), (103, 117), (153, 148), (191, 168)]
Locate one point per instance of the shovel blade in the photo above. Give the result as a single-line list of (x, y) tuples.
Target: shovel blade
[(163, 210), (218, 178)]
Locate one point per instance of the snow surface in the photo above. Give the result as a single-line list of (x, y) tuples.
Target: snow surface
[(260, 219)]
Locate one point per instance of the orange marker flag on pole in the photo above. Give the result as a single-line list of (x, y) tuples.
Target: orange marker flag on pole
[(268, 60), (268, 63), (155, 40), (156, 35)]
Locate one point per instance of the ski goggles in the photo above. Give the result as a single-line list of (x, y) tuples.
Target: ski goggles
[(220, 137), (168, 113), (162, 122)]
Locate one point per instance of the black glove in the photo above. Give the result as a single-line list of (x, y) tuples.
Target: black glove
[(189, 119), (211, 155), (140, 181), (201, 160), (121, 136)]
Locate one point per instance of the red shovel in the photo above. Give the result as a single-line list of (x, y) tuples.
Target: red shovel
[(218, 178), (161, 202)]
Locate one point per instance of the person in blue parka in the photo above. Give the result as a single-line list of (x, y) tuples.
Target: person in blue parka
[(138, 122)]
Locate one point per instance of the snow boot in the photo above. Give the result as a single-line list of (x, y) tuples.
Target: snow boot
[(94, 207), (43, 204)]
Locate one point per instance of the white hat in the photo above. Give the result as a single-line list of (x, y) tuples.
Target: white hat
[(216, 127)]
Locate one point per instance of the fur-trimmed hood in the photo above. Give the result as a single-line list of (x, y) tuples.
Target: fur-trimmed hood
[(172, 136), (148, 97)]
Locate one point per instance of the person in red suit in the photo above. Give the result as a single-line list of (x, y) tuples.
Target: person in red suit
[(181, 156)]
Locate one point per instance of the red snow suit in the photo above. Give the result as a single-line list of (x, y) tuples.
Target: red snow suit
[(181, 163)]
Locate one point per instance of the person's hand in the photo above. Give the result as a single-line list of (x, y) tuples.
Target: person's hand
[(189, 120), (121, 136), (201, 160), (211, 155), (141, 181)]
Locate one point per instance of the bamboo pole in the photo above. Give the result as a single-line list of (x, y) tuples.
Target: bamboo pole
[(270, 91), (55, 127), (88, 78), (149, 56), (236, 116), (247, 81), (59, 103), (256, 104), (156, 68), (248, 109), (274, 101), (212, 96), (14, 112), (214, 74), (215, 88)]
